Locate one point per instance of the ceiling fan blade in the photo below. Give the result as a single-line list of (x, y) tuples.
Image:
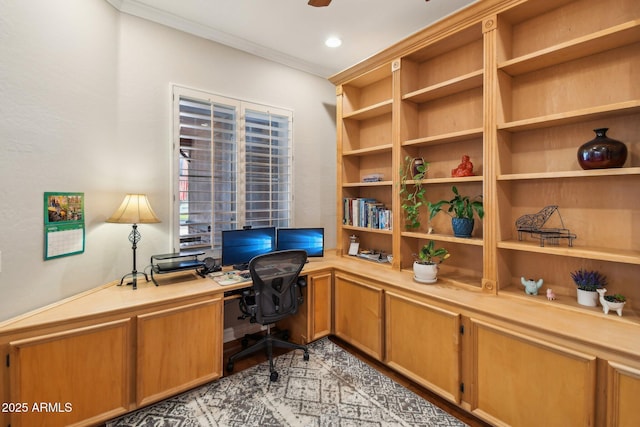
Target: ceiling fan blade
[(319, 3)]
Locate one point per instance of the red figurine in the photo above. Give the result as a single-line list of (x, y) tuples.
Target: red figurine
[(464, 169)]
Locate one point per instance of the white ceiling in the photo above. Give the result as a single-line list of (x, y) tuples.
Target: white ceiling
[(293, 33)]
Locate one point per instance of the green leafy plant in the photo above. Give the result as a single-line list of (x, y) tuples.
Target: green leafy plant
[(429, 254), (589, 280), (459, 207), (615, 298), (412, 194)]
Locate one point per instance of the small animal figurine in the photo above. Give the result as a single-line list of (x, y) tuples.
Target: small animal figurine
[(609, 305), (550, 295), (531, 286)]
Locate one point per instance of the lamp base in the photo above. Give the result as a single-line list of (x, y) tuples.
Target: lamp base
[(134, 278)]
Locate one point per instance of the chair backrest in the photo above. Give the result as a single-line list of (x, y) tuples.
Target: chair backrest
[(275, 283)]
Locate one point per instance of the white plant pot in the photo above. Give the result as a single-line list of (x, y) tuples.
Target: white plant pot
[(425, 273), (587, 298)]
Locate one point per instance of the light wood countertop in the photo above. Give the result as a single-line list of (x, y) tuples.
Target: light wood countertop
[(535, 315)]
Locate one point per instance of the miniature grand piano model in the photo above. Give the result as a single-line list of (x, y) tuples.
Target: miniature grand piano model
[(534, 225)]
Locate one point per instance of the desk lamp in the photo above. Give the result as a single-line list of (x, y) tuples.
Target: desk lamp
[(135, 209)]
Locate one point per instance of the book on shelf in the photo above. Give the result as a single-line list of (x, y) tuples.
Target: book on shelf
[(366, 213)]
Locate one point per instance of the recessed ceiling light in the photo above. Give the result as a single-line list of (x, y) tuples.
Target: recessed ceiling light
[(333, 42)]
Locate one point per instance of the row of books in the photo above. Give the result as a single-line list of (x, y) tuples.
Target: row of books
[(367, 213)]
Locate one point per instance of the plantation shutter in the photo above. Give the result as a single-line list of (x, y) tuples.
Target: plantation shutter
[(268, 162), (234, 167)]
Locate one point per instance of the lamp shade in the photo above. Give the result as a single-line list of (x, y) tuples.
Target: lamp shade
[(135, 209)]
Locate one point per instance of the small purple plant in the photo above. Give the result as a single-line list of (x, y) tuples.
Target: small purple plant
[(589, 280)]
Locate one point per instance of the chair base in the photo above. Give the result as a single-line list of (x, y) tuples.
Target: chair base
[(267, 342)]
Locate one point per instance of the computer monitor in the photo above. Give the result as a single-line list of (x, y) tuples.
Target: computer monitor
[(309, 239), (240, 246)]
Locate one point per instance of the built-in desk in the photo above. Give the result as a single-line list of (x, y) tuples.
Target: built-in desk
[(110, 350), (107, 351)]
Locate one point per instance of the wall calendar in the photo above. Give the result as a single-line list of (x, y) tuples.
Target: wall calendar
[(63, 224)]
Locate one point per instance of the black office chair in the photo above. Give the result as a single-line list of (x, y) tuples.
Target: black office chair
[(276, 294)]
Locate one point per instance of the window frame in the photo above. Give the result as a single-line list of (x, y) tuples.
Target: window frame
[(241, 107)]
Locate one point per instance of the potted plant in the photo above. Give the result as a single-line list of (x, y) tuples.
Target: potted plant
[(425, 267), (588, 282), (461, 209), (613, 302), (413, 195)]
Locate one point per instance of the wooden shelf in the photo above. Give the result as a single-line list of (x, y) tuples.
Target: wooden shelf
[(570, 174), (576, 116), (449, 87), (452, 180), (367, 184), (386, 148), (453, 280), (371, 77), (474, 241), (371, 111), (444, 138), (601, 41), (568, 302), (585, 252), (370, 230)]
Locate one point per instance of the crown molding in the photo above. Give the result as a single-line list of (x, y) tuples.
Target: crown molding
[(140, 10)]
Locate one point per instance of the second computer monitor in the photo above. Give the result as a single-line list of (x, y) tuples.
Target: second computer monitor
[(309, 239)]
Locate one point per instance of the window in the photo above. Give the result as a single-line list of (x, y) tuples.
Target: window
[(233, 163)]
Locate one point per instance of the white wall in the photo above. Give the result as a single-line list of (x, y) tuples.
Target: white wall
[(85, 106)]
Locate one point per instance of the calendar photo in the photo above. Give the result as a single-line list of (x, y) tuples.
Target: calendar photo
[(63, 224)]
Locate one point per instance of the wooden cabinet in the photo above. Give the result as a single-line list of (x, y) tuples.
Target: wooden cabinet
[(623, 389), (518, 87), (314, 318), (55, 378), (358, 314), (521, 381), (178, 348), (422, 342), (320, 294), (110, 350)]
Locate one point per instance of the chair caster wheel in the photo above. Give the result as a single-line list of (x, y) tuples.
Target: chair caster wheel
[(230, 367), (244, 342), (285, 336), (306, 356), (274, 376)]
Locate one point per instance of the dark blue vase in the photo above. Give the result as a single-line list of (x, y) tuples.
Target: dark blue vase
[(462, 227)]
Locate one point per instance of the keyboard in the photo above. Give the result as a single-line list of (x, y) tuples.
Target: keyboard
[(232, 277)]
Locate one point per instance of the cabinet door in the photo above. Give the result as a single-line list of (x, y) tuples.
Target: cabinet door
[(81, 375), (623, 390), (320, 308), (521, 381), (313, 319), (422, 342), (358, 314), (178, 348)]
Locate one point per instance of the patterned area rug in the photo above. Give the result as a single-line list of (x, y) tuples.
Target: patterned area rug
[(334, 388)]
